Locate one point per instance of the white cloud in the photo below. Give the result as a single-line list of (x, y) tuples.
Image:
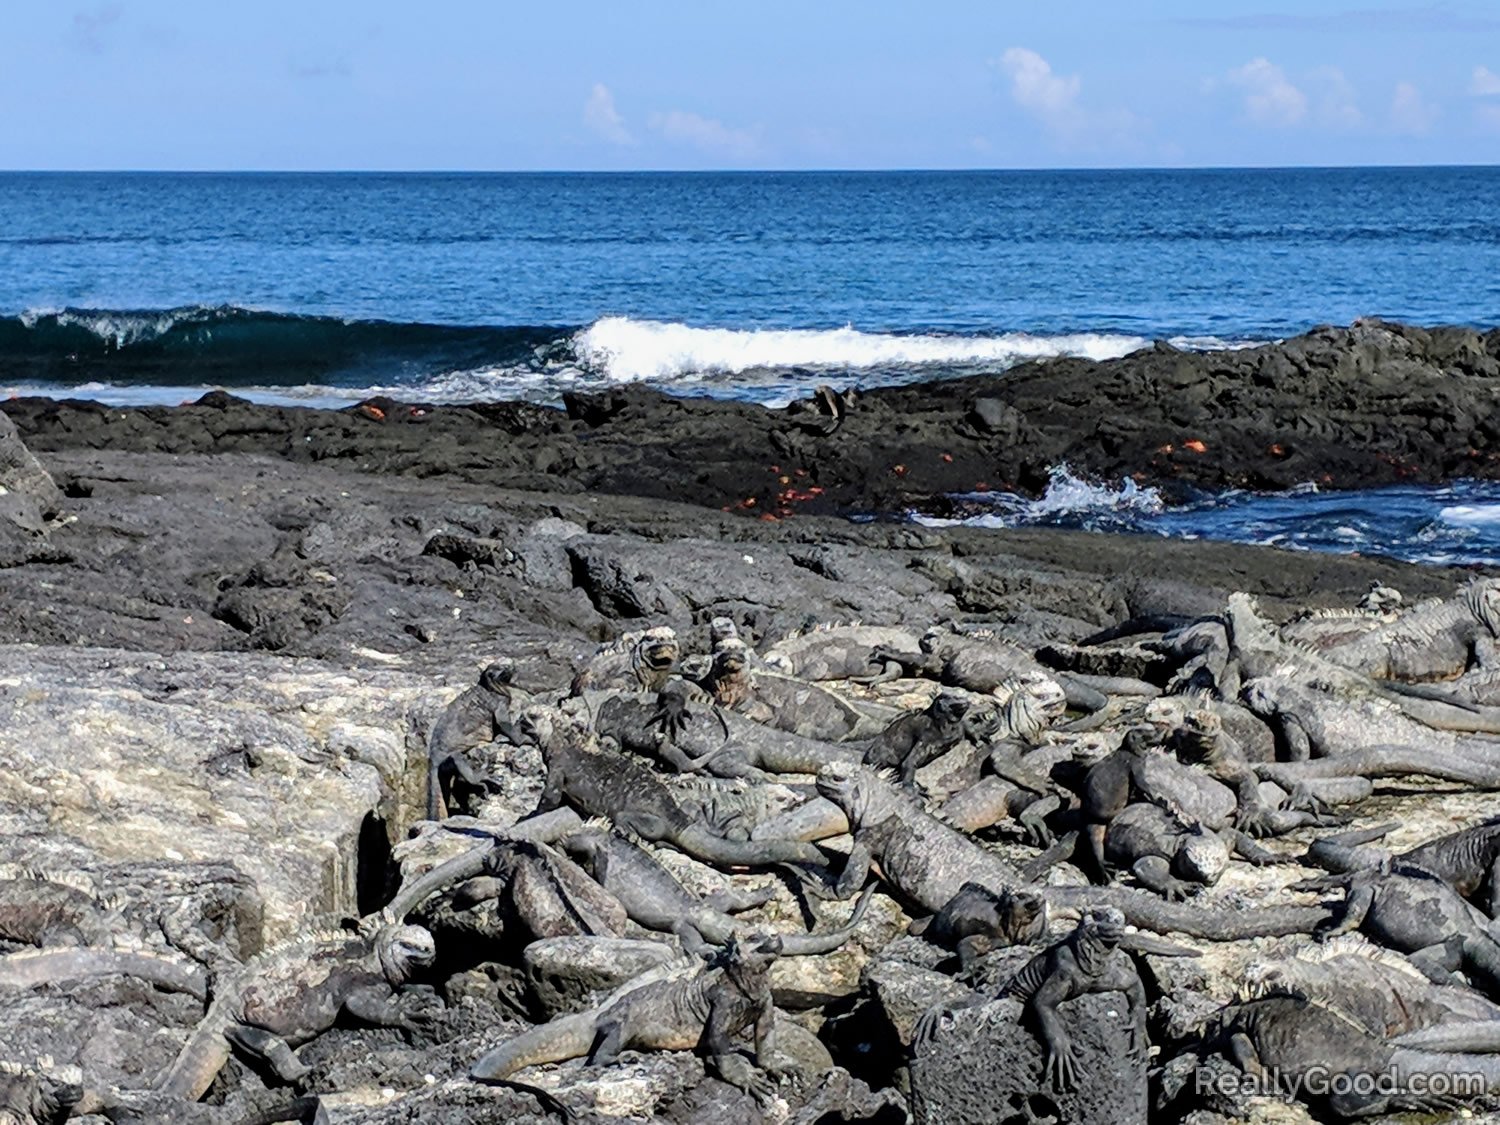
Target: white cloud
[(1035, 87), (1484, 82), (1489, 116), (600, 115), (1055, 101), (705, 133), (1270, 98), (1410, 112), (1337, 103)]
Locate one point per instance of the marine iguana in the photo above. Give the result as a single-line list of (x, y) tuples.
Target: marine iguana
[(478, 715), (917, 737), (844, 652), (790, 704), (294, 992), (646, 665), (1088, 960), (688, 1006), (715, 740), (46, 909), (928, 863), (1467, 860), (1171, 858), (1322, 1057), (625, 793), (1432, 641), (1418, 914), (655, 899), (37, 1095), (978, 919), (982, 664)]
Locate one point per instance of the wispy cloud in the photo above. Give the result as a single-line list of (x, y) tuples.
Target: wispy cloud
[(600, 115), (1056, 101), (705, 133), (1337, 104), (1270, 97), (1484, 82), (1410, 111), (91, 26)]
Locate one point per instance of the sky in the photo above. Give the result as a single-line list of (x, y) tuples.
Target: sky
[(661, 84)]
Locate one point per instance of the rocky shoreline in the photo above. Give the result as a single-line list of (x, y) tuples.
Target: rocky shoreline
[(227, 633)]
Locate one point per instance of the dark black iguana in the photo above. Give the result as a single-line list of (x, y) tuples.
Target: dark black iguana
[(626, 793), (977, 920), (295, 991), (655, 899), (917, 737), (1172, 858), (684, 1006), (1468, 860), (478, 716)]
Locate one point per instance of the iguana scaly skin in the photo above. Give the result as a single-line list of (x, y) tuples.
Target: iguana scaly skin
[(1171, 858), (1294, 1040), (1467, 860), (717, 740), (655, 899), (928, 862), (45, 909), (687, 1007), (625, 793), (840, 653), (646, 665), (1418, 914), (1431, 641), (977, 920), (294, 992), (917, 737), (983, 664), (31, 968), (478, 716), (36, 1096), (1088, 960)]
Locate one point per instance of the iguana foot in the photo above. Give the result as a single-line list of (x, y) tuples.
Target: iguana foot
[(741, 1072), (1061, 1071)]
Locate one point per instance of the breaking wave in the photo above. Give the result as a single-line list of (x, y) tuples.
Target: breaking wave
[(140, 355)]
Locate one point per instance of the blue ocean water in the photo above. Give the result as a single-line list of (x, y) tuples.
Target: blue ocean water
[(327, 288)]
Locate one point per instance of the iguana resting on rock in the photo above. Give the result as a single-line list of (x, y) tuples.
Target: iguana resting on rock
[(1321, 1057), (1087, 960), (294, 992), (917, 737), (1467, 860), (977, 920), (646, 665), (982, 664), (1435, 640), (36, 1095), (44, 909), (655, 899), (478, 716), (928, 862), (686, 1007), (624, 792), (1375, 988), (714, 739), (788, 704), (1015, 780), (1171, 858), (1418, 914), (844, 652)]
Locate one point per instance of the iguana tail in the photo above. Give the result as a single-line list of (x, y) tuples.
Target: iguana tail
[(1387, 761), (30, 968), (816, 819), (204, 1054), (1147, 912), (456, 870), (702, 844), (1469, 1037), (567, 1037), (805, 945)]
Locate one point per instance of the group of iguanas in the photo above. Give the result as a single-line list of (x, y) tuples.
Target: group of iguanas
[(899, 760)]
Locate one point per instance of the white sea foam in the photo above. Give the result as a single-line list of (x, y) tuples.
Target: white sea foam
[(625, 350), (1066, 496), (1470, 514)]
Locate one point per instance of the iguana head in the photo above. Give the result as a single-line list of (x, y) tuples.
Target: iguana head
[(404, 951), (1023, 914), (497, 674), (722, 629), (657, 649), (1265, 695), (857, 790), (1106, 923), (752, 954), (538, 725), (1198, 734), (1201, 857), (1482, 596), (948, 708)]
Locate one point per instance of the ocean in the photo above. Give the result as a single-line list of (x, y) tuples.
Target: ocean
[(325, 289)]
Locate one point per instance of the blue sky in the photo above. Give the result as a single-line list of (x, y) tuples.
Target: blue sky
[(464, 84)]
